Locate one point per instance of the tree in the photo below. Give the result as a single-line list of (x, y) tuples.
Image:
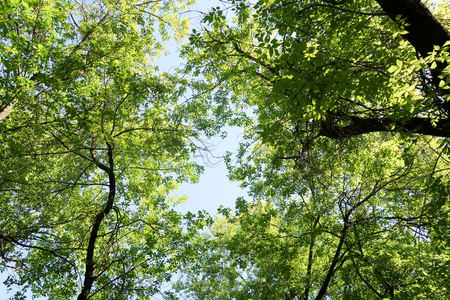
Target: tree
[(376, 82), (357, 224), (346, 153), (94, 142)]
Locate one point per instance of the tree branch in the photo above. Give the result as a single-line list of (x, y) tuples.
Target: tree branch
[(53, 252), (424, 32), (255, 59), (357, 126), (89, 276)]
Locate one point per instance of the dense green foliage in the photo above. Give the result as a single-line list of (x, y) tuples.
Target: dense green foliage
[(344, 153), (368, 223), (345, 111), (93, 144)]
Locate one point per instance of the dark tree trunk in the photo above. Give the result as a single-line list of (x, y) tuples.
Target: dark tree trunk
[(424, 32), (89, 276)]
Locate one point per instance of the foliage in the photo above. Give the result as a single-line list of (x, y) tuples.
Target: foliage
[(93, 140), (346, 151), (301, 70), (346, 221), (345, 107)]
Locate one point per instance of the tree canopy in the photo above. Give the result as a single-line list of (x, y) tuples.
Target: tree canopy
[(345, 154), (346, 151), (94, 142)]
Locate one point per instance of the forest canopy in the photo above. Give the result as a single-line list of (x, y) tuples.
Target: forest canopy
[(345, 111)]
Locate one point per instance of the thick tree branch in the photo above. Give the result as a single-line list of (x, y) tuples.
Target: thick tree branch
[(424, 32), (357, 126), (89, 276)]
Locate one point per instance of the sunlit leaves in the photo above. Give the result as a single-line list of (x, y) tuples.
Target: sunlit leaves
[(343, 219), (93, 146)]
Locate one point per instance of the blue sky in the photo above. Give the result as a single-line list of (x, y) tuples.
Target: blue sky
[(213, 189)]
